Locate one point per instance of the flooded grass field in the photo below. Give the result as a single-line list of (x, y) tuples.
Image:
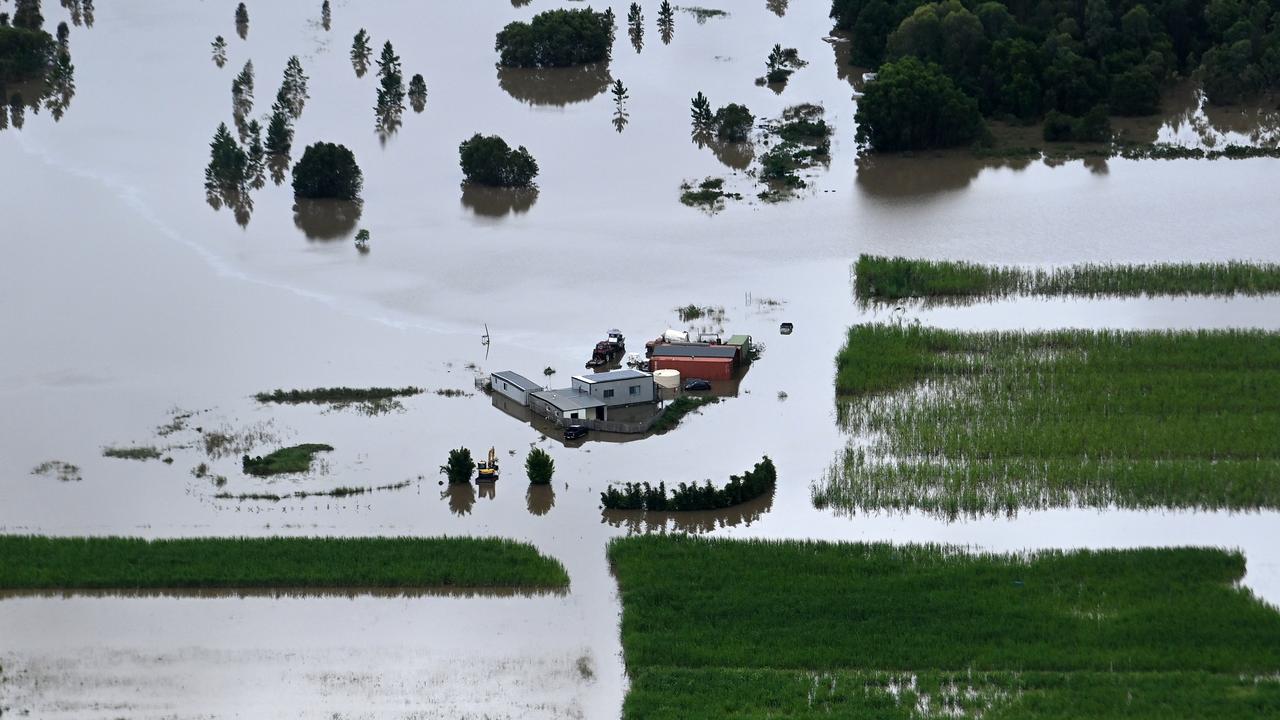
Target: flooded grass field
[(135, 315)]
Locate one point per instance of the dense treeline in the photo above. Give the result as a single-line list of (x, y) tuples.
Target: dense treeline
[(643, 496), (1022, 59)]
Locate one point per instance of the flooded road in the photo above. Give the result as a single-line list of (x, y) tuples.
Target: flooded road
[(127, 302)]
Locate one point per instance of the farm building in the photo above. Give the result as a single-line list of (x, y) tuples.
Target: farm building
[(513, 385), (567, 403), (708, 362), (618, 388)]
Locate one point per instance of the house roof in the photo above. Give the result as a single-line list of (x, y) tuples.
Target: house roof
[(739, 340), (725, 352), (568, 399), (518, 380), (613, 376)]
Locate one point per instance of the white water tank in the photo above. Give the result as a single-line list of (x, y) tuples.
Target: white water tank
[(674, 336), (666, 378)]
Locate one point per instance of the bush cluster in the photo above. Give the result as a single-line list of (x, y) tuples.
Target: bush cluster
[(643, 496), (556, 38)]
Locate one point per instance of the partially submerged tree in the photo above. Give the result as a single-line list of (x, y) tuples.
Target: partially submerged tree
[(418, 92), (228, 167), (460, 466), (293, 88), (24, 54), (327, 171), (326, 16), (279, 132), (539, 466), (556, 38), (391, 84), (242, 21), (219, 51), (701, 115), (733, 122), (361, 51), (913, 105), (666, 22), (490, 161)]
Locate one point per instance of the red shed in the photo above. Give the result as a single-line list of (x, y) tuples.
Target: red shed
[(708, 362)]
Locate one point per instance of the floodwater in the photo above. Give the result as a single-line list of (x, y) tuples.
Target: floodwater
[(126, 301)]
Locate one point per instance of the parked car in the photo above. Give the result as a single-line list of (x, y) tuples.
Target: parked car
[(573, 432), (697, 384)]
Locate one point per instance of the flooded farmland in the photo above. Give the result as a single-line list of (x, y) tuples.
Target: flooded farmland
[(135, 314)]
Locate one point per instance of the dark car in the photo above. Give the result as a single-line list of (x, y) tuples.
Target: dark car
[(573, 432), (697, 384)]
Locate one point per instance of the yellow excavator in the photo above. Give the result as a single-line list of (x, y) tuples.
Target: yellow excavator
[(488, 470)]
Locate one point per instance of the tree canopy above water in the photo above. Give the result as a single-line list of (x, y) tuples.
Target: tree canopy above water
[(488, 160), (24, 53), (914, 105), (556, 38), (327, 170)]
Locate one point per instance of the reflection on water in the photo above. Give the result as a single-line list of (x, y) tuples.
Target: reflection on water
[(540, 499), (900, 176), (326, 219), (238, 201), (640, 521), (488, 490), (733, 155), (461, 497), (1194, 122), (497, 202), (555, 86)]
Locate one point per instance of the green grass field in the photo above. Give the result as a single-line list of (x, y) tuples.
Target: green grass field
[(973, 423), (755, 629), (886, 279), (120, 563), (293, 459)]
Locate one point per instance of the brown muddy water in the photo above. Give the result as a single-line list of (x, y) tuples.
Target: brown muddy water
[(126, 301)]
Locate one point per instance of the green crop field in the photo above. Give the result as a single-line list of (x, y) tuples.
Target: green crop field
[(879, 278), (121, 563), (755, 629), (972, 423)]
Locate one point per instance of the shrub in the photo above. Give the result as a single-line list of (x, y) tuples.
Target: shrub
[(327, 170), (460, 466), (539, 466), (488, 160), (556, 38)]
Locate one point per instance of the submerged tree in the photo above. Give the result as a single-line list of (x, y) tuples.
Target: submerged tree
[(777, 7), (327, 171), (460, 466), (635, 26), (26, 15), (390, 89), (87, 6), (242, 94), (219, 51), (293, 88), (490, 161), (325, 16), (60, 85), (242, 21), (64, 35), (418, 93), (279, 131), (556, 38), (228, 163), (360, 53), (257, 156), (701, 115), (666, 22), (539, 466), (362, 241), (733, 122)]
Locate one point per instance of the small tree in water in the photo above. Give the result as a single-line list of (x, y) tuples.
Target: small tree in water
[(460, 466), (228, 163), (279, 132), (700, 113), (242, 21), (325, 15), (391, 88), (362, 241), (490, 161), (360, 53), (666, 22), (327, 171), (293, 89), (418, 93), (539, 466), (219, 51)]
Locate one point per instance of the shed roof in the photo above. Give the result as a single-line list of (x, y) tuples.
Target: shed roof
[(719, 352), (739, 340), (613, 376), (518, 380), (567, 399)]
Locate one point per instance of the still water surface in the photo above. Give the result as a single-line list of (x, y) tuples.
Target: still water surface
[(126, 300)]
